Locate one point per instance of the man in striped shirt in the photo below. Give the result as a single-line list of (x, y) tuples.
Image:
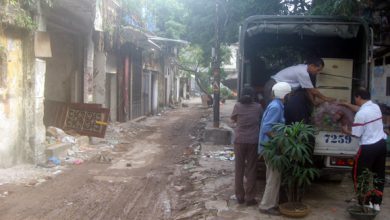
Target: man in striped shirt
[(368, 126)]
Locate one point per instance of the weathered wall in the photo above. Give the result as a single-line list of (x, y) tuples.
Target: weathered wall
[(177, 89), (12, 129), (61, 68), (89, 52), (161, 91), (99, 78), (111, 82), (380, 80), (155, 91)]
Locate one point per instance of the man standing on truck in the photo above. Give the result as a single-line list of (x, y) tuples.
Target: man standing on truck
[(298, 77), (368, 126)]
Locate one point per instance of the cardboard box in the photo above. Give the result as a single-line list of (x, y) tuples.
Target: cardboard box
[(338, 84)]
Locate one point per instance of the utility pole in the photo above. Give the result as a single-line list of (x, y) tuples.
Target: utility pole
[(216, 69)]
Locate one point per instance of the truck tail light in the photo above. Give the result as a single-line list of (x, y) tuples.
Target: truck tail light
[(341, 161)]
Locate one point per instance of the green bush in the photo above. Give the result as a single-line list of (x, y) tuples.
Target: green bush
[(290, 152)]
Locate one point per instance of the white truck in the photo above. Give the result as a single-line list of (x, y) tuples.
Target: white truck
[(267, 43)]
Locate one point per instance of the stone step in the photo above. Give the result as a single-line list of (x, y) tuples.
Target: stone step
[(82, 141), (219, 136), (57, 150)]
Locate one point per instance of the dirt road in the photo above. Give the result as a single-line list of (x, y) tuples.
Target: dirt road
[(138, 184), (163, 171)]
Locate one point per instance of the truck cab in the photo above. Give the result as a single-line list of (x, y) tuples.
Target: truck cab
[(268, 44)]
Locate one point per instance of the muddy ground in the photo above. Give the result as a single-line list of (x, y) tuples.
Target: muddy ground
[(162, 170)]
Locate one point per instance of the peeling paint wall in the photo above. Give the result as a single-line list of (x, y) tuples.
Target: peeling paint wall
[(89, 52), (11, 101), (162, 85), (380, 80), (99, 78)]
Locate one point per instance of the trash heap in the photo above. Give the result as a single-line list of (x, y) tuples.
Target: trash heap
[(226, 154), (73, 148)]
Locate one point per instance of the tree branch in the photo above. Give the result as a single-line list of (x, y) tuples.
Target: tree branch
[(184, 68)]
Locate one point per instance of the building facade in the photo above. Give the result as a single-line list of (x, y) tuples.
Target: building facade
[(77, 52)]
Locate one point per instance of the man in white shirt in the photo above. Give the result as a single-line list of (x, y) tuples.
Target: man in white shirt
[(298, 77), (368, 126)]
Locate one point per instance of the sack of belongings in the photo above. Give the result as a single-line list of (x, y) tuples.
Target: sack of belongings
[(331, 116)]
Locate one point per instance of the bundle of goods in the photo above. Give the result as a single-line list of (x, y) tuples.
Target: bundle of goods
[(332, 116)]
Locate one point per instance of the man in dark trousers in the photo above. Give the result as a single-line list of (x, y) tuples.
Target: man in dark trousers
[(368, 126)]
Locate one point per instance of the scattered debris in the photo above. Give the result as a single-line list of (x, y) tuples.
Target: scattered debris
[(190, 214), (197, 147), (57, 172), (190, 165), (226, 154), (102, 157), (179, 188), (59, 135), (219, 205), (4, 194), (78, 162), (54, 160), (24, 174), (191, 137)]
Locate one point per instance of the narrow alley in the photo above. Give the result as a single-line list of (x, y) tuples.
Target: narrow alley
[(163, 169), (122, 109), (139, 183)]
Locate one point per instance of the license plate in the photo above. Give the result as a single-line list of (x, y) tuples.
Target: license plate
[(330, 138), (335, 143)]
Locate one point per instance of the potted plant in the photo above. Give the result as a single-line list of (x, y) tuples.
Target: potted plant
[(290, 151), (364, 190)]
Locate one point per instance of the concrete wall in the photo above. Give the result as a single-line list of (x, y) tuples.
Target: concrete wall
[(99, 78), (112, 96), (89, 52), (155, 91), (378, 84), (161, 91), (112, 88), (61, 68), (177, 89), (12, 96), (379, 81)]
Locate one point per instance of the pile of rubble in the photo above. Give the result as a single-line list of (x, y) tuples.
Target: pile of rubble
[(68, 148), (81, 148)]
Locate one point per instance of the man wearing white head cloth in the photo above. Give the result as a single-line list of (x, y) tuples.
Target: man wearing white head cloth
[(273, 114)]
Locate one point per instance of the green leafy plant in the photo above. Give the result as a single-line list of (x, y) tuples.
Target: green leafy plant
[(19, 13), (366, 188), (290, 152), (226, 93), (25, 21)]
